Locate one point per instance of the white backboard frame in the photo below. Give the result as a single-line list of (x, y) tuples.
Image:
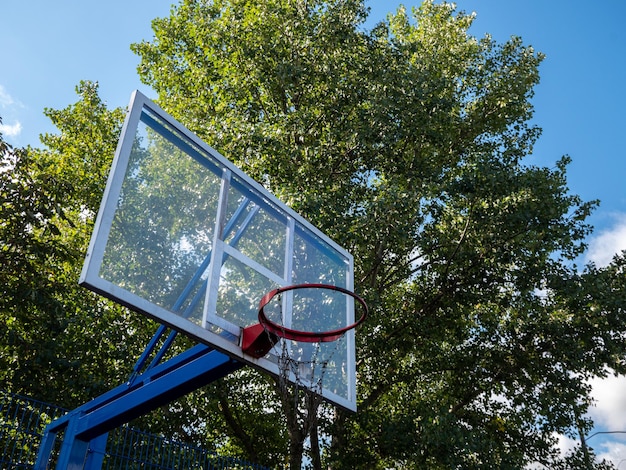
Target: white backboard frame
[(103, 272)]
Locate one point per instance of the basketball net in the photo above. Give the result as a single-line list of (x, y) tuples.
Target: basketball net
[(300, 382)]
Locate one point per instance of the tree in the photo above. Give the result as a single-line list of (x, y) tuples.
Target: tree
[(57, 343), (406, 144)]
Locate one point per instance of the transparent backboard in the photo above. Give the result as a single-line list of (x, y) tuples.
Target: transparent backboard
[(186, 238)]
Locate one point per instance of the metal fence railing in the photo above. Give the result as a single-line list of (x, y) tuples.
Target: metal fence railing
[(23, 420)]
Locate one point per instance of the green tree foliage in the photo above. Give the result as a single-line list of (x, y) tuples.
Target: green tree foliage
[(406, 144), (58, 342)]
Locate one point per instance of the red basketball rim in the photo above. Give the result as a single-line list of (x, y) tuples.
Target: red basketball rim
[(308, 336)]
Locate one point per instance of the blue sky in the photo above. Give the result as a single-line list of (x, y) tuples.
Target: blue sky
[(48, 47)]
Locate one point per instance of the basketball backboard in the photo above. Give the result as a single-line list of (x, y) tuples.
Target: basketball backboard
[(186, 238)]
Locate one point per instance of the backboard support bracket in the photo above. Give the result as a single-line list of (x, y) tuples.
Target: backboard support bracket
[(257, 342), (86, 428)]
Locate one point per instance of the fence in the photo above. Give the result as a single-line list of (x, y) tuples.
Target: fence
[(23, 419)]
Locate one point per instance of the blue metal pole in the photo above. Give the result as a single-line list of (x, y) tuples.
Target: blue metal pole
[(86, 426), (73, 450), (96, 451), (155, 392)]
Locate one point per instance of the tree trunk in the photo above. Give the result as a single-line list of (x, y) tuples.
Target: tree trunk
[(296, 449), (316, 459)]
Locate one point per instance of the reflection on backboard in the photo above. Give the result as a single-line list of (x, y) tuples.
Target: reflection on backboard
[(185, 237)]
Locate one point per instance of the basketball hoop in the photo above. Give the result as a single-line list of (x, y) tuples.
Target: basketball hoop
[(309, 362), (259, 339), (312, 361)]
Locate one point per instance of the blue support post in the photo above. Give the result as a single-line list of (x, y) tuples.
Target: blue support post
[(86, 427), (73, 450), (45, 448), (96, 451)]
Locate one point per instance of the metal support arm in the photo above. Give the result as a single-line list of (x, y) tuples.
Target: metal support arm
[(157, 386)]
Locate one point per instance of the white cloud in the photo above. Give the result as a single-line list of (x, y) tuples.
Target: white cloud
[(567, 444), (611, 451), (11, 130), (608, 243), (8, 103), (609, 416), (609, 411), (6, 99)]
